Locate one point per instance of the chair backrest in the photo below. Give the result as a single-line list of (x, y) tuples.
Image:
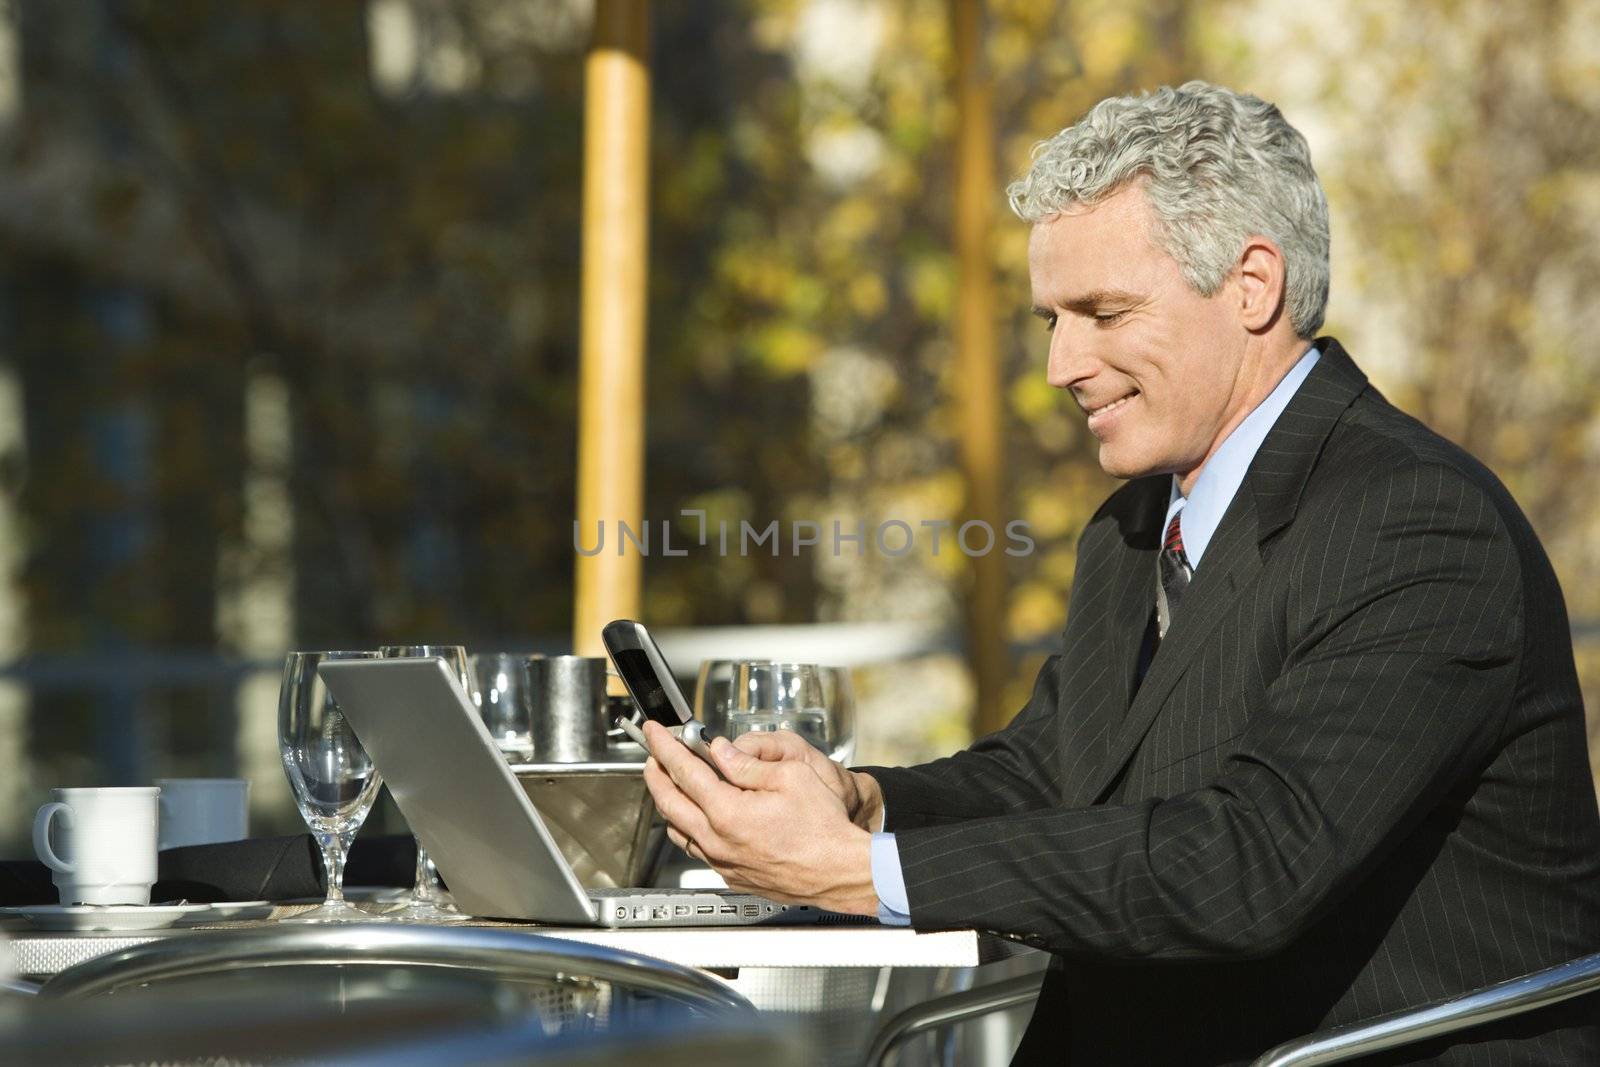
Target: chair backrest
[(499, 952), (384, 989), (1514, 996), (723, 1043), (10, 984), (177, 1031)]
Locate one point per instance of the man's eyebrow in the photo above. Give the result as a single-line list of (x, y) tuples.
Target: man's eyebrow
[(1100, 298), (1095, 298)]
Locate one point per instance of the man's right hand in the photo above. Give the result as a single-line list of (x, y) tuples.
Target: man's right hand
[(862, 798)]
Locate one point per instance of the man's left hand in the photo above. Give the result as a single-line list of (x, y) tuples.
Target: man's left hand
[(773, 828)]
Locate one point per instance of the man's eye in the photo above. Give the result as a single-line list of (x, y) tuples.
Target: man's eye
[(1108, 318), (1049, 323)]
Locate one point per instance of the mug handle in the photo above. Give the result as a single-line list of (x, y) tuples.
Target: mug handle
[(41, 836)]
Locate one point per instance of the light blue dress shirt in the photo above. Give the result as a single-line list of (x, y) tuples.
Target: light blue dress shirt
[(1202, 509)]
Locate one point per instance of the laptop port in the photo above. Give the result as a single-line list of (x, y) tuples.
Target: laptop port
[(680, 909), (752, 909), (705, 909), (622, 913), (659, 912), (729, 909)]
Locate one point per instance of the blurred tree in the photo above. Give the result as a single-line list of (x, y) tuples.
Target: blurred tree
[(1460, 144), (376, 205), (843, 275), (394, 258)]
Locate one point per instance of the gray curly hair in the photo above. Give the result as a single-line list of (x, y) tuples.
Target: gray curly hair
[(1218, 166)]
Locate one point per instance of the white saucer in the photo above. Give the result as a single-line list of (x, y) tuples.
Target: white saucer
[(232, 909), (104, 917)]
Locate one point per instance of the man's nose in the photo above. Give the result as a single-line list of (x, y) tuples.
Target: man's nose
[(1071, 358)]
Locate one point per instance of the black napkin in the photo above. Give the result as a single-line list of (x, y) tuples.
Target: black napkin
[(258, 868), (25, 882)]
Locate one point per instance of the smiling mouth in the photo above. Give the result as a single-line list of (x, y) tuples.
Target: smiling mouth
[(1106, 409)]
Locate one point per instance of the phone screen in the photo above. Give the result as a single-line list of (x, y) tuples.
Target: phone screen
[(655, 692), (645, 686), (645, 672)]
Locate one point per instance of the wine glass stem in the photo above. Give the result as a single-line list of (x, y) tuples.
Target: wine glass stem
[(425, 887), (334, 847)]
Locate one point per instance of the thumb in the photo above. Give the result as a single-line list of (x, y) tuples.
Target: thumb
[(763, 745), (739, 767)]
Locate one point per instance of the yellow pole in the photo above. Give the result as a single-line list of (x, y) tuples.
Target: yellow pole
[(976, 386), (612, 315)]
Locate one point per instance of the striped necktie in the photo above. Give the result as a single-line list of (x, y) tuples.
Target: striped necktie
[(1173, 573)]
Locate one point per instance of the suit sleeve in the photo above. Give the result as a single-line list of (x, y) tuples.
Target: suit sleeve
[(1404, 630)]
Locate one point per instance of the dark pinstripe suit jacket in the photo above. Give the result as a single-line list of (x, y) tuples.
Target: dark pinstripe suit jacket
[(1353, 780)]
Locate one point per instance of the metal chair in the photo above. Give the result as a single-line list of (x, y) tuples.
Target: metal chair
[(721, 1044), (1512, 997), (500, 952), (1335, 1045), (951, 1009), (481, 994), (180, 1031), (12, 987)]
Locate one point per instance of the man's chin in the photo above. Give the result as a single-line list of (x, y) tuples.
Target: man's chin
[(1122, 466)]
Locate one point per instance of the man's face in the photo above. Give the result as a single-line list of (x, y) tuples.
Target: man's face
[(1154, 365)]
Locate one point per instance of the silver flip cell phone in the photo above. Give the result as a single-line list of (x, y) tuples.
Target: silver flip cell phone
[(654, 690)]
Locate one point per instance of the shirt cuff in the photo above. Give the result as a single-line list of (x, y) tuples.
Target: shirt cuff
[(889, 882)]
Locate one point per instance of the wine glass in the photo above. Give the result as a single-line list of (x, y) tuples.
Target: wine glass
[(814, 701), (503, 694), (333, 779), (429, 901), (713, 693)]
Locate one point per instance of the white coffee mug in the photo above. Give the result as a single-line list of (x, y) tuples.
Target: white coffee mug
[(203, 811), (100, 844)]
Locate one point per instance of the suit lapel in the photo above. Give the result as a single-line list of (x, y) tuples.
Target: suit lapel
[(1265, 503), (1231, 563), (1133, 588), (1112, 615)]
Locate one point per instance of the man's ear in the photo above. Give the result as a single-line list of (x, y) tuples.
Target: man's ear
[(1260, 274)]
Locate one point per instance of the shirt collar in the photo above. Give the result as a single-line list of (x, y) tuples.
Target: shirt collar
[(1224, 472)]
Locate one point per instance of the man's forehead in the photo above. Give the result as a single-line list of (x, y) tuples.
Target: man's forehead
[(1100, 247), (1125, 213)]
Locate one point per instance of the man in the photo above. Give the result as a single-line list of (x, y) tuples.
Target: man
[(1312, 749)]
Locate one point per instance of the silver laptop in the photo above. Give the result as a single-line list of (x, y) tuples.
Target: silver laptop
[(469, 811)]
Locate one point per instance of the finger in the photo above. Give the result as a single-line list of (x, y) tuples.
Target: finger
[(680, 810), (662, 791), (671, 754), (689, 846), (687, 770), (743, 769), (772, 745)]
